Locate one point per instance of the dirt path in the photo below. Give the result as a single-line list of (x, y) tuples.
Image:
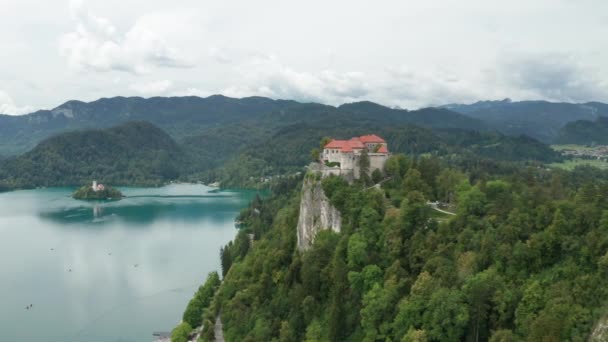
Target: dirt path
[(219, 330)]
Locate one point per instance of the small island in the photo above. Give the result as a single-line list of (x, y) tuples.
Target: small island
[(97, 192)]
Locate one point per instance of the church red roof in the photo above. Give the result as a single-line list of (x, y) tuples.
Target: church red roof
[(383, 149)]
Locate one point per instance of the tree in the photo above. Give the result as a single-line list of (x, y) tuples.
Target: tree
[(323, 142), (396, 166), (414, 213), (413, 182), (201, 300), (377, 176), (414, 335), (446, 316), (357, 251), (503, 335), (479, 291), (364, 167), (472, 202), (339, 278), (181, 333), (376, 312), (447, 181), (315, 154), (226, 258)]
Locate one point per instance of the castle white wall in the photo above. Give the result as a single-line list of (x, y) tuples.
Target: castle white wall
[(377, 161)]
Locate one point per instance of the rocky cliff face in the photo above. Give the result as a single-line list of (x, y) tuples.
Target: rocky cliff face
[(600, 331), (316, 213)]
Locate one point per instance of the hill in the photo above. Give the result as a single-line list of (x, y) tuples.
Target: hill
[(186, 117), (132, 153), (523, 259), (584, 132), (539, 119), (287, 150)]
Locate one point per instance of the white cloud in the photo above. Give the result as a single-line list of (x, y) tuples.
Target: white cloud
[(555, 77), (152, 88), (409, 53), (7, 106), (191, 91), (267, 76), (96, 44)]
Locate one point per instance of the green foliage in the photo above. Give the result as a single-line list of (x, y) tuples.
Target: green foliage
[(87, 193), (181, 333), (364, 163), (584, 132), (377, 176), (315, 154), (201, 300), (135, 153), (524, 258)]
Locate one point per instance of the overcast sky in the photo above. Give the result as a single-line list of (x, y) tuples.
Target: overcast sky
[(399, 53)]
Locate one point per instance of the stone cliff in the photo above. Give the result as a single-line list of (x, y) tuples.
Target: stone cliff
[(316, 213)]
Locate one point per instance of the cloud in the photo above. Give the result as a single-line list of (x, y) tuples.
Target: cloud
[(267, 76), (554, 77), (191, 91), (7, 106), (96, 44), (152, 88)]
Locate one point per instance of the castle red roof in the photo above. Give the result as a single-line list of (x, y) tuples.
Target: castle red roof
[(371, 138), (346, 145), (357, 143)]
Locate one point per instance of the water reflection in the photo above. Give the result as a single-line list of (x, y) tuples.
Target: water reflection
[(75, 261), (143, 210)]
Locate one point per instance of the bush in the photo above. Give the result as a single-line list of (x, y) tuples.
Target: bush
[(202, 298), (181, 332)]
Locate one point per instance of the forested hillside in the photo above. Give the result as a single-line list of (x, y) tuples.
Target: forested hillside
[(525, 258), (136, 153), (288, 150), (585, 132), (541, 120), (185, 117)]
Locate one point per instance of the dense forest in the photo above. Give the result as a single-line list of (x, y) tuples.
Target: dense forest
[(585, 132), (290, 149), (136, 153), (246, 155), (524, 258), (204, 120), (186, 118)]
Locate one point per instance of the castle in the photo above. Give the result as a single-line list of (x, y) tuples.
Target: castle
[(341, 157)]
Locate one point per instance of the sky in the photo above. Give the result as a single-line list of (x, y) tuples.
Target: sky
[(407, 53)]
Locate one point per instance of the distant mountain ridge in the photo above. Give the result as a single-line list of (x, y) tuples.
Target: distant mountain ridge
[(538, 119), (190, 116)]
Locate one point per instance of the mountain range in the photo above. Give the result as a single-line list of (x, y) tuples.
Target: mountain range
[(541, 120), (191, 118)]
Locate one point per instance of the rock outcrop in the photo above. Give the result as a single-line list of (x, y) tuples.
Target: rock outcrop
[(600, 331), (316, 213)]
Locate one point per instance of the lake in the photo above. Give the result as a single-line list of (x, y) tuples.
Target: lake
[(108, 271)]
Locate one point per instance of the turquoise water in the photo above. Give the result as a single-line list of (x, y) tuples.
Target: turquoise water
[(113, 271)]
